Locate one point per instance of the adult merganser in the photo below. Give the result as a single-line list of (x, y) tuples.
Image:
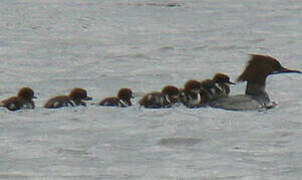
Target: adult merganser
[(22, 101), (123, 99), (164, 99), (255, 73), (75, 98)]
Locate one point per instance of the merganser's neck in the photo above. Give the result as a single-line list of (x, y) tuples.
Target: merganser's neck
[(254, 89), (258, 92)]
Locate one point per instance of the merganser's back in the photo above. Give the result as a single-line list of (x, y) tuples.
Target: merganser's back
[(255, 73)]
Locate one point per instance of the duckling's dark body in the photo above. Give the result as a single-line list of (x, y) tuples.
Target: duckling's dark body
[(75, 98), (164, 99), (59, 101), (123, 99)]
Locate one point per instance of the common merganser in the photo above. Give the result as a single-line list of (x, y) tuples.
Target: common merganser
[(164, 99), (123, 99), (75, 98), (255, 73), (24, 100), (190, 95)]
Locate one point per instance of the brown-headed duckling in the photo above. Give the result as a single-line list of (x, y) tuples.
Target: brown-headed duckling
[(190, 95), (123, 99), (164, 99), (24, 100)]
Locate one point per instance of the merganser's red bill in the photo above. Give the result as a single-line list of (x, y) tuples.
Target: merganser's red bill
[(285, 70)]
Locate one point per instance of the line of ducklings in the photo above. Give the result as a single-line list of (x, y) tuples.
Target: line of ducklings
[(194, 94)]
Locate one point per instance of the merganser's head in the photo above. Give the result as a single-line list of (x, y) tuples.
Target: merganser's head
[(192, 86), (222, 78), (79, 94), (125, 94), (26, 93), (260, 66), (172, 92)]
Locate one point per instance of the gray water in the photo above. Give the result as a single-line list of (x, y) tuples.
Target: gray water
[(55, 45)]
